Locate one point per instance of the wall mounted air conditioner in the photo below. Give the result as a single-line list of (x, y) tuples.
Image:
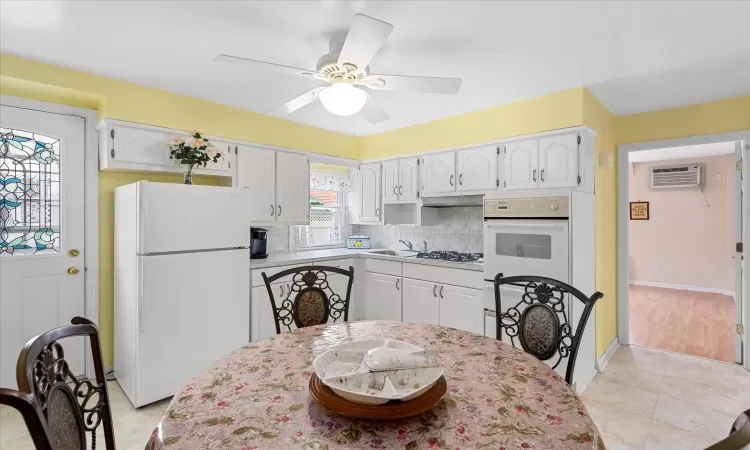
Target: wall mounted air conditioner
[(672, 177)]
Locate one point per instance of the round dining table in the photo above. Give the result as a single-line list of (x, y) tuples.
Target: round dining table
[(498, 397)]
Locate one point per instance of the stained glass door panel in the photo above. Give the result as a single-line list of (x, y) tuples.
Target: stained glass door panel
[(29, 193), (42, 280)]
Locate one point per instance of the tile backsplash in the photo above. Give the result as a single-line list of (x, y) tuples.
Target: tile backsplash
[(457, 228), (278, 239)]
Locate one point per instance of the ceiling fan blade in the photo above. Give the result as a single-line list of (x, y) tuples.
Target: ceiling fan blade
[(429, 85), (365, 38), (372, 112), (267, 66), (297, 102)]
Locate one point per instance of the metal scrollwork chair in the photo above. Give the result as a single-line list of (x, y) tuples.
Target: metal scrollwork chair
[(310, 299), (69, 407), (540, 320), (739, 435)]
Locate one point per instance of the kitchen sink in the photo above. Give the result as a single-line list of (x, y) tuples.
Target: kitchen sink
[(402, 253)]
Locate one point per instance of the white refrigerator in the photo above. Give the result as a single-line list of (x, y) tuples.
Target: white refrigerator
[(182, 283)]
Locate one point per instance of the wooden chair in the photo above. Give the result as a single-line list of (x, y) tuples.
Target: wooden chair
[(310, 300), (27, 407), (535, 319), (69, 407), (739, 435)]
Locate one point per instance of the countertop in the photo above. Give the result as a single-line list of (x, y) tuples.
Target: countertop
[(283, 259)]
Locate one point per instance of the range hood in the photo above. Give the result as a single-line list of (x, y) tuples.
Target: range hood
[(452, 201)]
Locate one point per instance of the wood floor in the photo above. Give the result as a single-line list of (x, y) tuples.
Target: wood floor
[(694, 323)]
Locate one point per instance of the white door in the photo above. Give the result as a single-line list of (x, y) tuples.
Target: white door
[(738, 256), (420, 302), (261, 314), (256, 171), (292, 188), (477, 169), (462, 308), (439, 173), (521, 161), (181, 306), (383, 296), (41, 231), (558, 161), (408, 179), (370, 175), (390, 180)]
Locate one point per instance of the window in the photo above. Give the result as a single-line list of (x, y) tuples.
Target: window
[(328, 226)]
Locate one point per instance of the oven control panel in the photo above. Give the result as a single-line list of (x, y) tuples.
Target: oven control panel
[(539, 207)]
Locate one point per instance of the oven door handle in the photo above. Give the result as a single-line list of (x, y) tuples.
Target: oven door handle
[(545, 226)]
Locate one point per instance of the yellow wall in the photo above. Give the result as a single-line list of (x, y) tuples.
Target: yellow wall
[(596, 116), (125, 101), (549, 112)]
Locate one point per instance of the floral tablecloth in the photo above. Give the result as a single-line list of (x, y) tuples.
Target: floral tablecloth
[(257, 398)]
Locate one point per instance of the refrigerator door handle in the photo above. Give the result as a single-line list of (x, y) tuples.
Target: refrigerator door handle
[(140, 294)]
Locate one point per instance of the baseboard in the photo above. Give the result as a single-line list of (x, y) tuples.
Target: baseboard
[(582, 387), (683, 287), (604, 360)]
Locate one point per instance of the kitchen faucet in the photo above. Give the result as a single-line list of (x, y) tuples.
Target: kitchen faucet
[(408, 245)]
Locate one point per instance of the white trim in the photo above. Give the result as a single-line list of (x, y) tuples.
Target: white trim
[(623, 245), (683, 287), (601, 364), (480, 144), (91, 205), (580, 388)]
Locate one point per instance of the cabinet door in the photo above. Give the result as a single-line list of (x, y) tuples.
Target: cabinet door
[(256, 171), (383, 297), (408, 179), (558, 161), (370, 175), (461, 308), (521, 165), (477, 169), (261, 314), (439, 173), (390, 180), (420, 302), (142, 146), (292, 188), (226, 150)]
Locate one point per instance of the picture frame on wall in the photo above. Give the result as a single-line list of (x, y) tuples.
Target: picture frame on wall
[(639, 211)]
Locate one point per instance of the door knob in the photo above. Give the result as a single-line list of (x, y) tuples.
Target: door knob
[(73, 270), (74, 252)]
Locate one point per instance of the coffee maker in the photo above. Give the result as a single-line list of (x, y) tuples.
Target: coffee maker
[(258, 241)]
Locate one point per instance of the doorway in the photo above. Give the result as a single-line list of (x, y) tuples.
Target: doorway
[(45, 191), (680, 232)]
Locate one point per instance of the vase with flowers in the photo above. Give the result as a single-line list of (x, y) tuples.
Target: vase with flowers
[(192, 153)]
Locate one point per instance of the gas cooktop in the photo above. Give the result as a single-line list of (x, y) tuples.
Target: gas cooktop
[(451, 256)]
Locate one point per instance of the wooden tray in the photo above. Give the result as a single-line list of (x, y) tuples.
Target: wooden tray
[(395, 409)]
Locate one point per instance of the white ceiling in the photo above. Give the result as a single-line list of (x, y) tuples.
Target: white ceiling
[(635, 56), (686, 152)]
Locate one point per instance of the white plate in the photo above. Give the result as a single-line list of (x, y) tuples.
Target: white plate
[(342, 368)]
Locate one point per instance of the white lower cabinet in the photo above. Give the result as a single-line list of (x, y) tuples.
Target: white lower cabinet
[(461, 308), (261, 314), (420, 302), (383, 296)]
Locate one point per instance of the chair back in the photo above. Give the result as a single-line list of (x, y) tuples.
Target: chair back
[(739, 435), (25, 405), (70, 406), (540, 319), (310, 300)]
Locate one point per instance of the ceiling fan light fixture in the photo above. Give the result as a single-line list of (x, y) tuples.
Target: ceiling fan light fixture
[(343, 99)]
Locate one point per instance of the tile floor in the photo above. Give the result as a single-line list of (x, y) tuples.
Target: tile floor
[(645, 400)]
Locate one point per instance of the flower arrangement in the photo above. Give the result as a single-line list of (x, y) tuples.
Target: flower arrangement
[(191, 153)]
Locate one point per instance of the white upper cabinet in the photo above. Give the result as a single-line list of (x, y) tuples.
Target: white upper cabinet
[(439, 173), (292, 188), (408, 179), (256, 171), (370, 192), (226, 150), (521, 165), (558, 161), (390, 180), (420, 302), (477, 169)]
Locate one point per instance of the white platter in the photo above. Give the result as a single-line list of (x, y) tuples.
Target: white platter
[(342, 368)]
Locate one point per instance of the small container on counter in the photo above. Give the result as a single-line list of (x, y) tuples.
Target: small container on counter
[(358, 241)]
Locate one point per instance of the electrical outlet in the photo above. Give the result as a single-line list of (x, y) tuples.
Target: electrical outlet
[(654, 269)]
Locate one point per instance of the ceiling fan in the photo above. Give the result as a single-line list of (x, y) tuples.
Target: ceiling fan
[(346, 69)]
